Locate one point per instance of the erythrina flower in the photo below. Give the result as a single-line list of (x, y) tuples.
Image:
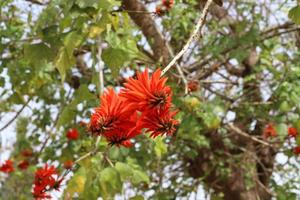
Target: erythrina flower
[(193, 86), (168, 3), (159, 11), (159, 122), (72, 134), (68, 164), (292, 132), (27, 153), (46, 178), (112, 115), (269, 131), (297, 150), (147, 93), (24, 164), (7, 167), (121, 136)]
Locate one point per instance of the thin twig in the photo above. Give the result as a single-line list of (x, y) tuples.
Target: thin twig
[(194, 35), (101, 67), (16, 116), (237, 130)]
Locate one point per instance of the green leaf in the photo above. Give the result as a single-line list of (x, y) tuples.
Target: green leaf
[(139, 176), (138, 197), (38, 53), (64, 62), (281, 130), (77, 182), (114, 59), (110, 181), (66, 116), (124, 170), (294, 14), (160, 147)]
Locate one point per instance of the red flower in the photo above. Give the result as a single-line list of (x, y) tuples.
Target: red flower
[(159, 11), (72, 134), (168, 3), (269, 131), (147, 93), (292, 132), (159, 122), (27, 153), (112, 115), (68, 164), (120, 136), (45, 179), (193, 86), (297, 150), (7, 167), (23, 164)]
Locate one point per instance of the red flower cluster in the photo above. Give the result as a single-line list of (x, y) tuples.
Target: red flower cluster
[(7, 167), (297, 150), (24, 164), (269, 131), (45, 179), (292, 132), (164, 7), (72, 134), (144, 103)]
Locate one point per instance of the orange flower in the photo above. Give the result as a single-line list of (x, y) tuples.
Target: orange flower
[(292, 132), (168, 3), (193, 86), (113, 113), (147, 93), (159, 122), (269, 131), (68, 164)]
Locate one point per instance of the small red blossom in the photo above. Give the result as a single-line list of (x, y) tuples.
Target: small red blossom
[(46, 178), (159, 122), (292, 132), (24, 164), (7, 167), (72, 134), (193, 86), (297, 150), (113, 114), (269, 131), (27, 153), (68, 164), (159, 11), (168, 3), (147, 93)]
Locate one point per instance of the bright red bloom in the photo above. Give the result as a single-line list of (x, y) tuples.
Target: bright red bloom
[(24, 164), (297, 150), (147, 93), (27, 153), (121, 136), (72, 134), (292, 132), (269, 131), (168, 3), (45, 179), (7, 167), (159, 122), (68, 164), (112, 115)]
